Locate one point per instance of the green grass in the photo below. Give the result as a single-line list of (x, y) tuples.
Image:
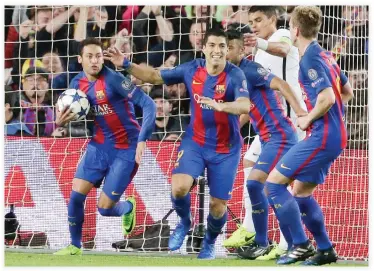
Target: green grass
[(32, 259)]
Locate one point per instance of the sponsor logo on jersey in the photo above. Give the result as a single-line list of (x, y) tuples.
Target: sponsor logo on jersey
[(220, 89), (100, 95), (312, 74), (102, 109), (196, 83), (197, 98), (317, 82)]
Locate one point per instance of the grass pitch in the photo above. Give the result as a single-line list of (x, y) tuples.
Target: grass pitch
[(122, 259)]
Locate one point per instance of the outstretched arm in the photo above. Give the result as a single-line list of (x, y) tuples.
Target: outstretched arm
[(146, 74), (240, 106)]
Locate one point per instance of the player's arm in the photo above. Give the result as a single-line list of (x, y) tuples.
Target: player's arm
[(346, 90), (243, 119), (285, 89), (144, 73), (325, 100), (280, 48)]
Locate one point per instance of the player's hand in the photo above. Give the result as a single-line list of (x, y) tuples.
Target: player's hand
[(172, 137), (64, 117), (212, 103), (301, 113), (303, 122), (139, 152), (115, 56), (250, 40)]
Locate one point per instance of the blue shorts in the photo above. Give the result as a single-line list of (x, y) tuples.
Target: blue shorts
[(272, 151), (221, 167), (307, 162), (117, 166)]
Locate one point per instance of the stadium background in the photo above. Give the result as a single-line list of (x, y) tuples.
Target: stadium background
[(39, 168)]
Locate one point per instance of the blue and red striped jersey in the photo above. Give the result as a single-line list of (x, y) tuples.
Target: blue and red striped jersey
[(318, 71), (111, 100), (209, 128), (267, 114)]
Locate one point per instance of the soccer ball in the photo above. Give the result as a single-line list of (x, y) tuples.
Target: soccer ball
[(77, 102)]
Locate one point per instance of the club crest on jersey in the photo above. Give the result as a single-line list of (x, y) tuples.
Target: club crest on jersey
[(100, 95), (312, 74), (220, 89)]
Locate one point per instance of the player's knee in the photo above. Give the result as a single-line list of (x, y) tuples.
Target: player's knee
[(180, 185), (217, 207)]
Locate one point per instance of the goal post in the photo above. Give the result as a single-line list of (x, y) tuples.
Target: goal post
[(39, 169)]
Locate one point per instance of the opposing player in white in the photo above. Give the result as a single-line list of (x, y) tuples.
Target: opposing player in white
[(274, 51)]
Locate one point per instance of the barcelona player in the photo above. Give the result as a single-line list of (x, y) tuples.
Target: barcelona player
[(218, 91), (117, 145), (325, 89), (277, 135)]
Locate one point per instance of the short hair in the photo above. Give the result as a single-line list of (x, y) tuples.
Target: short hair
[(234, 35), (217, 32), (12, 98), (308, 19), (89, 41), (269, 11)]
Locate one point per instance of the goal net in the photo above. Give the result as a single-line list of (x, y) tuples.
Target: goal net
[(40, 160)]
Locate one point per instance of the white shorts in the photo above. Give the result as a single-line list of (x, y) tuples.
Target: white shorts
[(254, 150)]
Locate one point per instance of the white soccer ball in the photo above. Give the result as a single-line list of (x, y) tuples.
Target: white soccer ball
[(76, 100)]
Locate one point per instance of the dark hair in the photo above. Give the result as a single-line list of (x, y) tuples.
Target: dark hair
[(89, 41), (269, 11), (234, 35), (217, 32)]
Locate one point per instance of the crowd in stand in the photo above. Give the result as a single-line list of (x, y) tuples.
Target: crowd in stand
[(42, 44)]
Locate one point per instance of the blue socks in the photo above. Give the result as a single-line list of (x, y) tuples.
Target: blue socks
[(214, 227), (260, 211), (314, 221), (287, 211), (283, 227), (76, 217), (121, 208), (183, 208)]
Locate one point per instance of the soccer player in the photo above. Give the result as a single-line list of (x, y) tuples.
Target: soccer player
[(325, 88), (274, 51), (117, 145), (277, 136), (218, 91)]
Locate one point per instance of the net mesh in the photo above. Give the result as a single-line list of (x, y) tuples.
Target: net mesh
[(39, 168)]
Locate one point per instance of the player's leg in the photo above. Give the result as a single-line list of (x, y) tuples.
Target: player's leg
[(313, 219), (245, 233), (121, 171), (90, 171), (189, 166), (221, 171)]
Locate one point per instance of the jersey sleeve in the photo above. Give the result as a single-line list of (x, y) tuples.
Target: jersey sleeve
[(316, 74), (259, 76), (239, 84), (281, 35), (74, 83), (343, 78), (175, 75)]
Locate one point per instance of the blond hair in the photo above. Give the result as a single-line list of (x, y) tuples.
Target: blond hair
[(308, 19)]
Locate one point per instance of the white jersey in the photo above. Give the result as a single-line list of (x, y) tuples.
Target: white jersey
[(284, 68)]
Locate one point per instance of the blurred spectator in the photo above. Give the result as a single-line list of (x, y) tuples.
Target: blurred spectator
[(37, 112), (195, 45), (13, 125), (179, 99), (167, 127)]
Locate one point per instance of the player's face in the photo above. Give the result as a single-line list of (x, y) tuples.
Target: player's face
[(261, 25), (92, 59), (215, 51), (235, 52)]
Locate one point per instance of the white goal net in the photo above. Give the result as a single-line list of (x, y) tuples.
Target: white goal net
[(40, 160)]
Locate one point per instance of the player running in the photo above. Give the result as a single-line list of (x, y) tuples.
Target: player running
[(274, 51), (325, 89), (277, 136), (117, 145), (218, 92)]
